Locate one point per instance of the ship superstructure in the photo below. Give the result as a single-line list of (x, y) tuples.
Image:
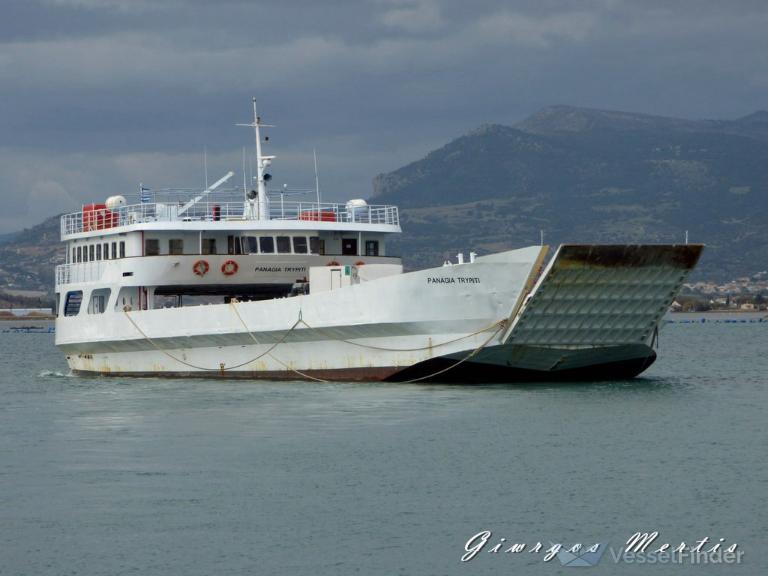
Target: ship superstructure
[(167, 248)]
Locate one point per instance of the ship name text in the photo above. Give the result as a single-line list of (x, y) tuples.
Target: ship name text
[(453, 280), (280, 269)]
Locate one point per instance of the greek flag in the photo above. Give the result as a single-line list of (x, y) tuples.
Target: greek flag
[(146, 194)]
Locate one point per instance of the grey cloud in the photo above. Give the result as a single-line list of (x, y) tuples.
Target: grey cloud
[(98, 94)]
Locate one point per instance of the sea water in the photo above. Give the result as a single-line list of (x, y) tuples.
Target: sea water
[(195, 477)]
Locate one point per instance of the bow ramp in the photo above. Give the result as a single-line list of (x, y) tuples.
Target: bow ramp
[(603, 295), (593, 314)]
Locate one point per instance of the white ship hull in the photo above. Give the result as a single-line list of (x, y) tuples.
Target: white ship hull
[(592, 313)]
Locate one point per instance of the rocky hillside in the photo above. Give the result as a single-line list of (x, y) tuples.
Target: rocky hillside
[(585, 175), (28, 258), (579, 175)]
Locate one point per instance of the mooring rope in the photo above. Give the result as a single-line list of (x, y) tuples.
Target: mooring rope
[(474, 352), (291, 368), (384, 349), (222, 368), (499, 324)]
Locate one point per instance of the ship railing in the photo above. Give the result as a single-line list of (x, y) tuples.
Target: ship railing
[(103, 219), (79, 273), (330, 212)]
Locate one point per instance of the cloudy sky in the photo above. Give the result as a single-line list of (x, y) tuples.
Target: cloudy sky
[(98, 95)]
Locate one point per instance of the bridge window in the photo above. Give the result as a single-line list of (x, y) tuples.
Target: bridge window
[(99, 299), (114, 250), (91, 253), (209, 245), (176, 246), (74, 256), (106, 250), (300, 244), (267, 245), (122, 249), (233, 245), (151, 247), (283, 244), (316, 245), (251, 245), (72, 304), (98, 251), (79, 254), (371, 247)]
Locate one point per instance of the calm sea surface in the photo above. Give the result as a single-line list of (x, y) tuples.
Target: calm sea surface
[(108, 476)]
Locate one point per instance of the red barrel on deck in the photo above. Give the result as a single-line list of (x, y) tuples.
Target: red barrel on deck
[(322, 216), (98, 217)]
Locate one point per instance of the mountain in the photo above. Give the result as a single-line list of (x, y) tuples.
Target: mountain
[(28, 258), (4, 238), (577, 174), (584, 175)]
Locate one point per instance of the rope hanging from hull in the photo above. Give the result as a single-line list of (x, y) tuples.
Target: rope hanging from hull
[(499, 325), (220, 368)]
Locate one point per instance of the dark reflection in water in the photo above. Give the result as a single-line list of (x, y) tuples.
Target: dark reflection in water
[(157, 476)]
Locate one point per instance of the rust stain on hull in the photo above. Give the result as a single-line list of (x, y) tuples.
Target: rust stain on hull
[(683, 256), (368, 374)]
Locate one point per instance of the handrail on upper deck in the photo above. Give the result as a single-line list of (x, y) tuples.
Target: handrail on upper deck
[(103, 218)]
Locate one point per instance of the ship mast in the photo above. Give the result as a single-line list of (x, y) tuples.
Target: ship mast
[(262, 163)]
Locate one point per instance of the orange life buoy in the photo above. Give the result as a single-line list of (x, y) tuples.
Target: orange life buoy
[(359, 263), (229, 267), (200, 267), (333, 263)]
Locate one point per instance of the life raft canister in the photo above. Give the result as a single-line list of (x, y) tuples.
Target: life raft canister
[(200, 267), (229, 267), (333, 263)]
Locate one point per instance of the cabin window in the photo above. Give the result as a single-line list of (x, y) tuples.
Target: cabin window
[(99, 299), (151, 247), (283, 244), (349, 246), (58, 304), (114, 250), (74, 256), (122, 249), (316, 245), (267, 245), (371, 247), (106, 251), (98, 251), (79, 254), (233, 245), (300, 244), (176, 246), (209, 245), (72, 304), (91, 253), (251, 245), (124, 300)]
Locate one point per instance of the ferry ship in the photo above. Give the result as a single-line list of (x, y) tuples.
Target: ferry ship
[(244, 284)]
